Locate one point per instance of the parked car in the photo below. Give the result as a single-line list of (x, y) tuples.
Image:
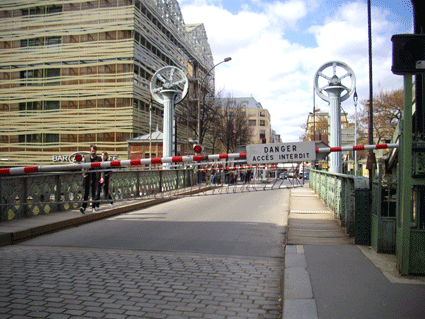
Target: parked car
[(283, 175)]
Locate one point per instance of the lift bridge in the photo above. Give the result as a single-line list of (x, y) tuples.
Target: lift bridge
[(36, 190)]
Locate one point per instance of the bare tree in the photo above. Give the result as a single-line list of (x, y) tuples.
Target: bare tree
[(207, 111), (387, 107), (232, 125)]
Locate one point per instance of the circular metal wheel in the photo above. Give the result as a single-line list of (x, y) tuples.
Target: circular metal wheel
[(169, 78), (334, 79)]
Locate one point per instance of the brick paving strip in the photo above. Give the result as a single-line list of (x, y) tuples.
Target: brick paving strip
[(43, 282)]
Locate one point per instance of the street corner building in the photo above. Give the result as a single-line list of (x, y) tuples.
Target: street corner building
[(75, 73)]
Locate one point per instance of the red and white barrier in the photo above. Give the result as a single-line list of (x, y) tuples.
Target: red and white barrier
[(123, 163), (355, 148), (235, 167), (163, 160)]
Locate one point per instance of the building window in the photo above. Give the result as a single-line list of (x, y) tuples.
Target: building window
[(39, 138), (32, 11), (51, 105), (54, 9), (51, 138), (262, 113), (252, 123), (54, 44), (30, 106), (54, 40), (262, 123), (53, 73), (34, 138), (30, 42), (30, 77)]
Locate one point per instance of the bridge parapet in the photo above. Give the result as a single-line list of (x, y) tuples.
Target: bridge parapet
[(30, 195), (348, 197)]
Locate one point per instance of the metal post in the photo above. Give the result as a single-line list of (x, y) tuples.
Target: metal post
[(169, 96), (369, 14), (150, 127), (335, 112), (334, 97), (314, 113), (200, 83), (355, 131), (405, 185)]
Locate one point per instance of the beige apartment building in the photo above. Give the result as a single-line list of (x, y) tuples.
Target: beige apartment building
[(258, 118), (75, 73)]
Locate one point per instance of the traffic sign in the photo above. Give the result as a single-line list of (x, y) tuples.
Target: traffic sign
[(280, 153)]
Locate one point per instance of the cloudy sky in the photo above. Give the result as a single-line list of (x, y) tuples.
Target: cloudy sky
[(278, 46)]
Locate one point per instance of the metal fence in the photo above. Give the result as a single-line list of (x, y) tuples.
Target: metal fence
[(348, 197), (30, 195)]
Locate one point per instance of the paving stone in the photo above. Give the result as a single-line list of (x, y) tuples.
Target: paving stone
[(300, 309), (108, 283), (297, 284)]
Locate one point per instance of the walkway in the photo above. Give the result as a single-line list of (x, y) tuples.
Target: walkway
[(328, 277)]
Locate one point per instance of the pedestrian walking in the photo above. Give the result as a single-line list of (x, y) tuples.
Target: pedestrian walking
[(104, 183), (208, 175), (90, 179)]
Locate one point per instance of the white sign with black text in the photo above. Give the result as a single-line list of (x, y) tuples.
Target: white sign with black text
[(280, 153)]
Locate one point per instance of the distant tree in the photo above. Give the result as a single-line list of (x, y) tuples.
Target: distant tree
[(232, 127), (387, 107), (208, 113)]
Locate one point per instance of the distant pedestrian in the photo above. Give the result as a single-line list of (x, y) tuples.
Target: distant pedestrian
[(208, 175), (90, 179), (104, 183)]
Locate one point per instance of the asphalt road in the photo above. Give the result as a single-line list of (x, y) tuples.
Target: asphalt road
[(242, 224), (217, 256)]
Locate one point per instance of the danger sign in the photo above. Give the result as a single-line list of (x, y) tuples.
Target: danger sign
[(280, 153)]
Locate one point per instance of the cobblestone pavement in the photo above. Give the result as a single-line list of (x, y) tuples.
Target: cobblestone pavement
[(43, 282)]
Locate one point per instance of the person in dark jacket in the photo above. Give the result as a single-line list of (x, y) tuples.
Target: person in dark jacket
[(90, 179), (104, 182)]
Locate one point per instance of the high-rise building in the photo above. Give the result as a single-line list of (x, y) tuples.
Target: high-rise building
[(75, 73)]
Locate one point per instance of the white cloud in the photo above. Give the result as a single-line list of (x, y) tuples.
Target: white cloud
[(286, 13), (269, 63)]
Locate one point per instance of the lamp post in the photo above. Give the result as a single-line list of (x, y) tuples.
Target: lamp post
[(355, 98), (199, 97)]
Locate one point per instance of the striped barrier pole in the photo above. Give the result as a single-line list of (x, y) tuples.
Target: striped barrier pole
[(164, 160), (355, 148), (123, 163)]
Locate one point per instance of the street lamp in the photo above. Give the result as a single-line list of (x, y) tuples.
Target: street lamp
[(355, 98), (199, 96)]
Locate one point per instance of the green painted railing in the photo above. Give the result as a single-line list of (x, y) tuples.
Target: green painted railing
[(30, 195), (348, 197)]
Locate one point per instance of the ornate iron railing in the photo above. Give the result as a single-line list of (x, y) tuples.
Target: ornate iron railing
[(29, 195), (348, 197)]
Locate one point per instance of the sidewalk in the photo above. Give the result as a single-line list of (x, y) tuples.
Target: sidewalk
[(326, 276)]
